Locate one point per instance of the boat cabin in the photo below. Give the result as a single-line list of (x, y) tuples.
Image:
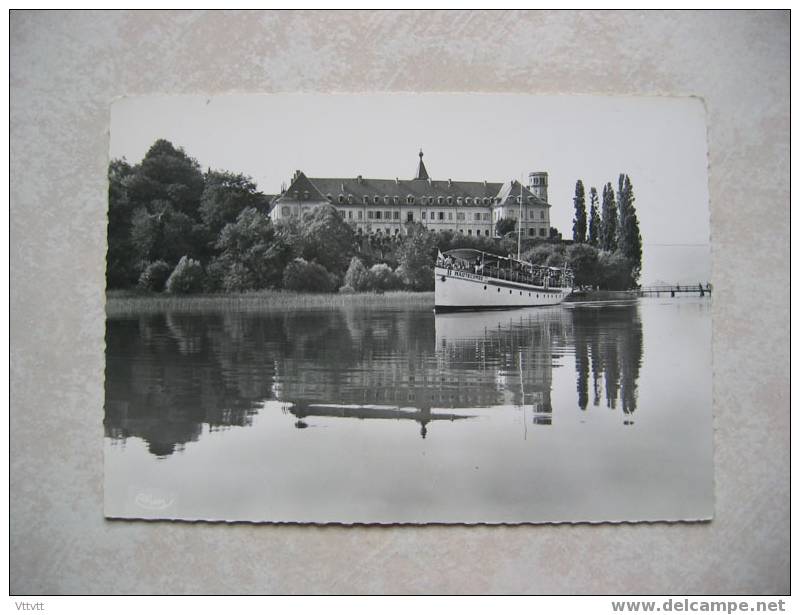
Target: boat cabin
[(504, 268)]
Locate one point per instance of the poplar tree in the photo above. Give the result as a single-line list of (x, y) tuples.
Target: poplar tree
[(622, 210), (579, 221), (594, 218), (608, 224), (630, 239)]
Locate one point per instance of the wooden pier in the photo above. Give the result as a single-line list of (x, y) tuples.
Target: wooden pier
[(675, 289)]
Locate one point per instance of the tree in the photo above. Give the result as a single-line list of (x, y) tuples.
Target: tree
[(167, 173), (164, 234), (152, 212), (594, 218), (225, 195), (322, 236), (608, 224), (252, 256), (584, 261), (187, 277), (155, 276), (380, 277), (357, 275), (622, 211), (121, 270), (538, 255), (303, 276), (630, 239), (504, 226), (416, 256), (616, 271), (579, 221)]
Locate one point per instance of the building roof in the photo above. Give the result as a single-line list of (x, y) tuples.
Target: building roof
[(302, 188), (422, 172), (331, 188), (512, 189), (358, 187)]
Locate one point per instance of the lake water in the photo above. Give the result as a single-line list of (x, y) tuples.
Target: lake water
[(578, 412)]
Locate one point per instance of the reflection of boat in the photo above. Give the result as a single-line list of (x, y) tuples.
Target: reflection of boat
[(467, 279), (509, 353), (469, 325)]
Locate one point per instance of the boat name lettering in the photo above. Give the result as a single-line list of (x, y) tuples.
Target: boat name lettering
[(455, 273)]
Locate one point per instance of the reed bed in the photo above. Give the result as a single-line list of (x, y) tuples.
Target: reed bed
[(123, 303)]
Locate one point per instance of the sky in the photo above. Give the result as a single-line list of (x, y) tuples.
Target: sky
[(660, 142)]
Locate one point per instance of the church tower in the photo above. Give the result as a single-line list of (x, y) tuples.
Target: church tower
[(422, 172), (537, 183)]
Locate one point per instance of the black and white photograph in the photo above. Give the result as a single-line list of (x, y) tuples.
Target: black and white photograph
[(388, 302), (408, 308)]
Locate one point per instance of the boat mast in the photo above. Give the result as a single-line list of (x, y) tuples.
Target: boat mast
[(519, 223)]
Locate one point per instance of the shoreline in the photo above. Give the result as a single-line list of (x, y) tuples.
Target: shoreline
[(131, 303), (601, 295), (125, 302)]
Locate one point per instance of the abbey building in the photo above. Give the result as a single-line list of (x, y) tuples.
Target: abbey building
[(383, 206)]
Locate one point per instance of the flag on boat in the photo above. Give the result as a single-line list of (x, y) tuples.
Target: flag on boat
[(439, 255)]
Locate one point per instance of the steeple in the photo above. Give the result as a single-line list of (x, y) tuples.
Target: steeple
[(422, 173)]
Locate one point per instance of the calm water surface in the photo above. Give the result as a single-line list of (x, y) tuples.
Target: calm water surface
[(584, 412)]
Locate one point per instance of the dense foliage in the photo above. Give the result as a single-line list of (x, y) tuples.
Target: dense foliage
[(165, 208), (174, 227), (416, 258), (610, 256), (304, 276), (250, 255)]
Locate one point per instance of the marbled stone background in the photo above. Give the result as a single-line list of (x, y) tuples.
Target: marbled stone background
[(66, 68)]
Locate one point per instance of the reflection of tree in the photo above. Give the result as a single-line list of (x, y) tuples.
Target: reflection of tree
[(609, 340), (169, 377), (582, 368), (166, 376), (611, 370)]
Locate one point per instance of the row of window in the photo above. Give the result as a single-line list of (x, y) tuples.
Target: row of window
[(425, 200), (377, 215), (433, 216), (395, 215), (512, 213), (469, 231), (460, 215)]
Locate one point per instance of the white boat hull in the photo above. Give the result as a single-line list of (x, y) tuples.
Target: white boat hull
[(456, 289)]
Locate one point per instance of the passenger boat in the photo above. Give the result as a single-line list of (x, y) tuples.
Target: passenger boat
[(468, 279)]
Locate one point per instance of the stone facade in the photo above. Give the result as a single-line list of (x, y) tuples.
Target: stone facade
[(384, 206)]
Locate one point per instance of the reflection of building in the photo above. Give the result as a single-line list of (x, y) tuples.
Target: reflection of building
[(383, 206), (423, 415), (476, 360), (171, 377), (513, 349)]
